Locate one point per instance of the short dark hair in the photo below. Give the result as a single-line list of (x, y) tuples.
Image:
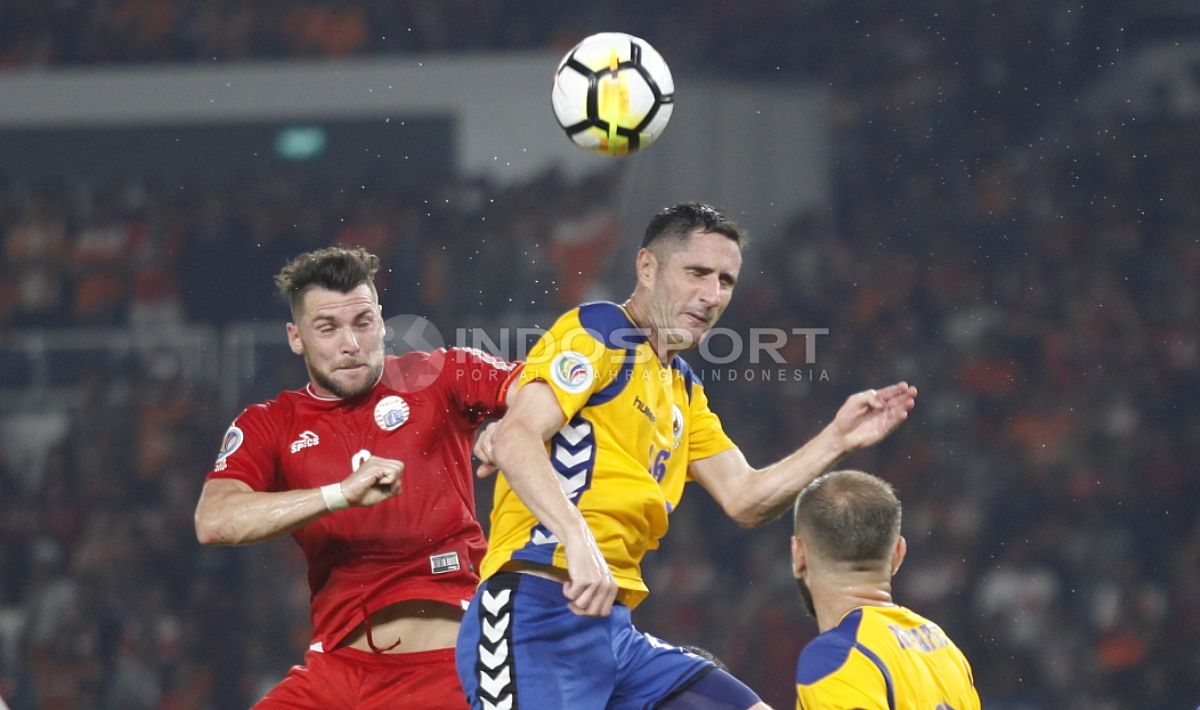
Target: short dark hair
[(682, 220), (849, 516), (338, 268)]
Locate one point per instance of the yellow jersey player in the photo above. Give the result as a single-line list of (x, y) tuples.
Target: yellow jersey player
[(871, 653), (605, 430)]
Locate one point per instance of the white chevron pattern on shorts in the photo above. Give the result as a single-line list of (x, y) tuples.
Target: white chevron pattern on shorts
[(495, 632), (497, 685), (505, 704), (494, 602), (494, 668), (493, 659)]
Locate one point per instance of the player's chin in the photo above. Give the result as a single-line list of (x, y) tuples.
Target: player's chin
[(352, 382)]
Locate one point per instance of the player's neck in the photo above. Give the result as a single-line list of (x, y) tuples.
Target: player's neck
[(641, 318), (835, 597)]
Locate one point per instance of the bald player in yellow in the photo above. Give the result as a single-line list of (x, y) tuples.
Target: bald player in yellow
[(871, 654), (604, 430)]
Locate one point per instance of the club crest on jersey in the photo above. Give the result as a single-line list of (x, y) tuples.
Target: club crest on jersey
[(307, 439), (676, 424), (572, 372), (231, 442), (391, 412)]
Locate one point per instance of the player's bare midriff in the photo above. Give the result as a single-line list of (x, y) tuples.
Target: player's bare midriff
[(418, 624)]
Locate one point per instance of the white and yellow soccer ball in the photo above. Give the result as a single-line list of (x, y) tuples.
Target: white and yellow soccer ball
[(613, 93)]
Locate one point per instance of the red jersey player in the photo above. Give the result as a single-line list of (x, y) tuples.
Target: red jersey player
[(369, 468)]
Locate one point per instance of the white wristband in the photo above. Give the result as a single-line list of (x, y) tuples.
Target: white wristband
[(335, 499)]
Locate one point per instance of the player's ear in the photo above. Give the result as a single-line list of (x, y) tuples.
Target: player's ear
[(647, 266), (293, 336), (898, 555), (799, 561)]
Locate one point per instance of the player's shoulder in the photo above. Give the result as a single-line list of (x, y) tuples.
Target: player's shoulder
[(263, 421), (418, 369), (273, 410), (883, 618), (605, 321), (408, 360), (412, 371), (828, 652), (468, 355)]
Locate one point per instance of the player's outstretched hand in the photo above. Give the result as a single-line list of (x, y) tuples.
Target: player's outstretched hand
[(483, 451), (376, 480), (591, 589), (868, 417)]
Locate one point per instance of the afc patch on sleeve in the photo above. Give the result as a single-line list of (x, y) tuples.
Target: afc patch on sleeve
[(444, 563), (572, 372), (233, 439)]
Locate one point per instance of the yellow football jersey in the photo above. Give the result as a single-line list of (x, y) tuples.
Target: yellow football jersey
[(884, 658), (633, 425)]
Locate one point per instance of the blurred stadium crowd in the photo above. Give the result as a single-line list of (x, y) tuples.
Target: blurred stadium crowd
[(1034, 269)]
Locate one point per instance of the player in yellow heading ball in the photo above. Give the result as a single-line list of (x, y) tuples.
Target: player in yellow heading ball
[(608, 425)]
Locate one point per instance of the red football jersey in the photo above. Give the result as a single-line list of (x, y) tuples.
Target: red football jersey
[(424, 543)]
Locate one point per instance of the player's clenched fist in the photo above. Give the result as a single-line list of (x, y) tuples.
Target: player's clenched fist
[(485, 451), (376, 480)]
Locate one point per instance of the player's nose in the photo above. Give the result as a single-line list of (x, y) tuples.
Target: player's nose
[(349, 341), (710, 291)]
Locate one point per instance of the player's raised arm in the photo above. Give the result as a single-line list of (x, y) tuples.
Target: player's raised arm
[(519, 449), (230, 512), (753, 497)]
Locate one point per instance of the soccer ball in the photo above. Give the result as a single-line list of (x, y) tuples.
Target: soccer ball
[(613, 93)]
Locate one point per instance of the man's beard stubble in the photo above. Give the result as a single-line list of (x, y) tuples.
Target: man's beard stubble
[(327, 382), (807, 595)]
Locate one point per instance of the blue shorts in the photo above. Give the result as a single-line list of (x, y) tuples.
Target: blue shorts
[(520, 646)]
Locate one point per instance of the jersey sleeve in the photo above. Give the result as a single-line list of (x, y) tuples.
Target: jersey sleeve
[(578, 361), (477, 382), (248, 452)]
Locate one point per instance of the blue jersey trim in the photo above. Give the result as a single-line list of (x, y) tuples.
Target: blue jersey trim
[(828, 652), (689, 375), (887, 676), (614, 388), (609, 324)]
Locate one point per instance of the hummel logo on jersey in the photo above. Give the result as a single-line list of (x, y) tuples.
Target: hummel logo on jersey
[(307, 439), (642, 407)]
